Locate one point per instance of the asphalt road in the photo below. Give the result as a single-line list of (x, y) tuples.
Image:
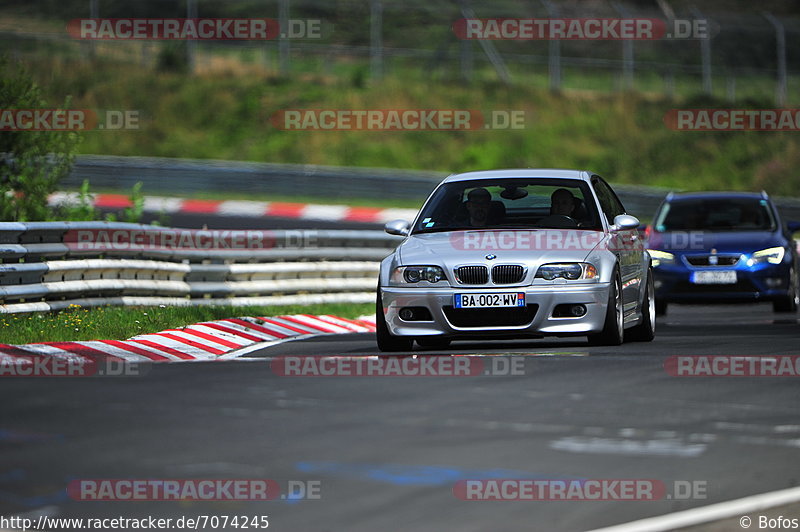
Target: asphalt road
[(387, 451)]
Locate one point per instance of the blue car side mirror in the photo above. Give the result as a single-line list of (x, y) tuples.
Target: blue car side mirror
[(793, 226)]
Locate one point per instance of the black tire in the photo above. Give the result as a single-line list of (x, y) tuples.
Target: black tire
[(645, 331), (661, 308), (791, 301), (613, 332), (433, 342), (386, 341)]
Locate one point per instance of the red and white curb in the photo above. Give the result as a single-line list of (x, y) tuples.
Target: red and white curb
[(214, 340), (250, 209)]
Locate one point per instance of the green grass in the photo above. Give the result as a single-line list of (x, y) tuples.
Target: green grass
[(621, 136), (120, 323)]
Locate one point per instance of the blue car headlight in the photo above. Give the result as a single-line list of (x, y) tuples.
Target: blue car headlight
[(660, 257), (770, 255), (415, 274)]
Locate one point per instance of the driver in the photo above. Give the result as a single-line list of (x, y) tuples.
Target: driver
[(479, 201), (563, 202)]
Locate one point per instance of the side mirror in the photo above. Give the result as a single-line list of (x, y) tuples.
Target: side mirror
[(625, 222), (398, 227), (793, 226)]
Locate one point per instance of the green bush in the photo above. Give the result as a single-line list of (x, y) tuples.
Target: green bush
[(31, 162)]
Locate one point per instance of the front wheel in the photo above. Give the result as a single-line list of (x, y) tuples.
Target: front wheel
[(646, 331), (613, 332), (386, 341), (791, 301)]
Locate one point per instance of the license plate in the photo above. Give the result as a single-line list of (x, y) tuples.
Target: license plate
[(516, 299), (723, 277)]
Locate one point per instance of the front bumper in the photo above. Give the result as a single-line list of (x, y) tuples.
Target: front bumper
[(593, 296), (763, 282)]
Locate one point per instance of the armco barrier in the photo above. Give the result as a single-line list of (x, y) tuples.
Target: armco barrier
[(51, 265), (164, 176)]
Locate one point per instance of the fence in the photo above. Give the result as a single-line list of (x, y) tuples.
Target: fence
[(743, 55), (51, 265)]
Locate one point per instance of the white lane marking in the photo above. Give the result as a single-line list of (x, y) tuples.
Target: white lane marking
[(155, 351), (216, 333), (184, 348), (189, 334), (324, 326), (325, 212), (255, 347), (353, 327), (578, 444), (243, 208), (706, 514), (162, 204), (239, 329), (44, 349), (752, 427), (115, 351), (278, 320), (272, 327)]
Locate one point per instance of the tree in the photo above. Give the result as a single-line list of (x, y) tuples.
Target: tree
[(31, 162)]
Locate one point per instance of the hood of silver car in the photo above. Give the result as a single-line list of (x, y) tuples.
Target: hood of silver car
[(529, 247)]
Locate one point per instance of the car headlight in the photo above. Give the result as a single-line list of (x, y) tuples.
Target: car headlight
[(660, 257), (415, 274), (567, 270), (771, 255)]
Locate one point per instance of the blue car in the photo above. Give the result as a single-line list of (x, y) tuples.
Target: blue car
[(723, 247)]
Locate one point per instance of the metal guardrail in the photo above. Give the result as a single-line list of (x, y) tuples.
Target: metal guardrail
[(162, 175), (52, 265)]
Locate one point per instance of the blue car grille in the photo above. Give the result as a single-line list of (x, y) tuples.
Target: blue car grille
[(709, 260)]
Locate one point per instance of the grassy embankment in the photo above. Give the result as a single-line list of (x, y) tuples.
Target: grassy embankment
[(226, 115)]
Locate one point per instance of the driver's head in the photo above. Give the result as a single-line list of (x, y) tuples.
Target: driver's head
[(562, 202), (478, 202)]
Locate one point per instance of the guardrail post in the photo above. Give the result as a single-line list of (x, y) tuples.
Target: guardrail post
[(780, 51), (283, 38), (376, 39), (191, 44), (553, 51)]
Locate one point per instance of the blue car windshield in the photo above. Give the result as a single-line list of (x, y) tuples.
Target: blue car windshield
[(514, 203), (716, 214)]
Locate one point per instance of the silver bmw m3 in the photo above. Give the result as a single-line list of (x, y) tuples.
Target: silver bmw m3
[(516, 254)]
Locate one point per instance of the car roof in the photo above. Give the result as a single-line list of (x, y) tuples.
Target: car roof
[(535, 173), (679, 196)]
